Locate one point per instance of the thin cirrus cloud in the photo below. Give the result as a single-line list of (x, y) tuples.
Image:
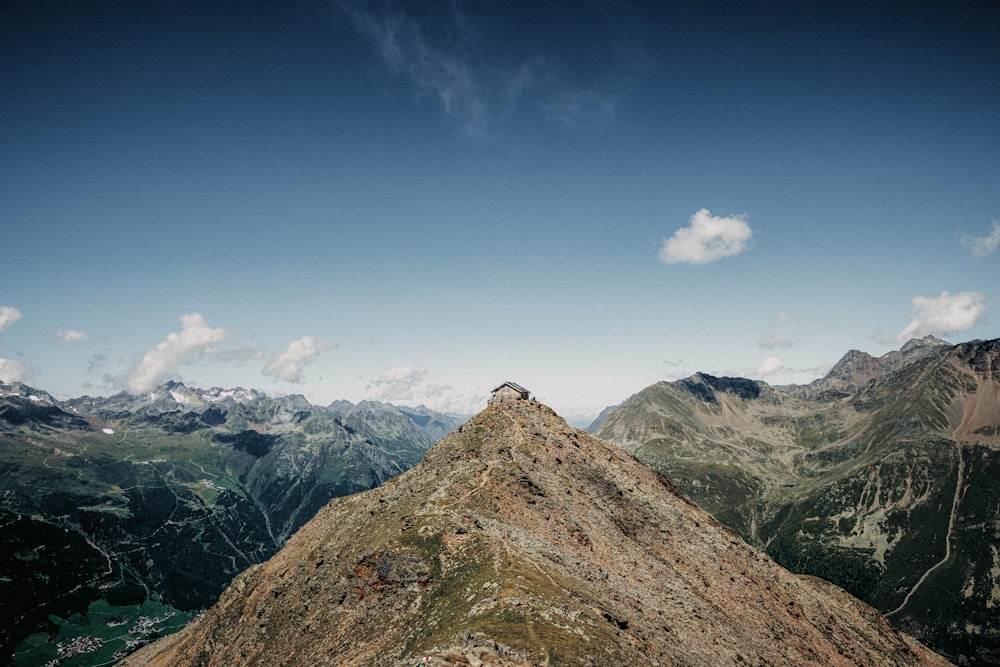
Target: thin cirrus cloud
[(981, 246), (405, 48), (445, 65), (774, 342), (707, 238), (194, 341), (943, 314), (289, 364)]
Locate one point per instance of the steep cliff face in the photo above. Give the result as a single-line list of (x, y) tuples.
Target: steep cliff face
[(522, 541), (884, 491)]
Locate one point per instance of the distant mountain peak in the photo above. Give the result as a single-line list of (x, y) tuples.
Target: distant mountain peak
[(24, 391), (26, 408), (923, 343), (705, 386), (856, 368)]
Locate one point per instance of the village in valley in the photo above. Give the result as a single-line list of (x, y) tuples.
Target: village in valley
[(100, 636)]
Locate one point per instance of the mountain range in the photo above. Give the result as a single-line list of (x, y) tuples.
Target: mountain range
[(879, 477), (520, 541), (128, 507), (126, 517)]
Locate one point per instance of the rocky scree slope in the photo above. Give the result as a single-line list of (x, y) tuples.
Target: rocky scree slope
[(522, 541), (888, 491)]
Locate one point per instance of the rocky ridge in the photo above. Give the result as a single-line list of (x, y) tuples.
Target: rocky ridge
[(521, 541), (856, 369)]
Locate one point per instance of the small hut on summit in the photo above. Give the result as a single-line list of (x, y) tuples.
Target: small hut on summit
[(509, 391)]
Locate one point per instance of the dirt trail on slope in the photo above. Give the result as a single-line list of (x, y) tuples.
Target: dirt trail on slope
[(956, 501)]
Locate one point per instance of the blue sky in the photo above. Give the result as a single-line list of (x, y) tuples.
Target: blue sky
[(416, 201)]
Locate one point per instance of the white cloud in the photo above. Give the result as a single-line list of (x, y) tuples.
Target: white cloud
[(406, 385), (195, 340), (8, 316), (288, 365), (769, 366), (706, 239), (775, 371), (10, 370), (774, 342), (399, 384), (982, 246), (13, 371), (70, 336), (943, 314)]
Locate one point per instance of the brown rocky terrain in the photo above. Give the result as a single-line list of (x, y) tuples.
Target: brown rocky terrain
[(522, 541)]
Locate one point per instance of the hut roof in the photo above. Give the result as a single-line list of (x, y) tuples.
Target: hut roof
[(513, 385)]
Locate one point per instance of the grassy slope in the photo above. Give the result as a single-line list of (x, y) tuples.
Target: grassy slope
[(858, 491)]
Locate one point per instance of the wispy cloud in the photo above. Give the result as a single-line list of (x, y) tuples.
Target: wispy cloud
[(194, 341), (674, 369), (539, 83), (943, 314), (406, 47), (96, 362), (440, 54), (706, 239), (239, 356), (70, 336), (288, 365), (8, 315), (981, 246), (774, 342)]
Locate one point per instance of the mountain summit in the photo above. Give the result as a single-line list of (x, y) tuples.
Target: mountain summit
[(519, 540)]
